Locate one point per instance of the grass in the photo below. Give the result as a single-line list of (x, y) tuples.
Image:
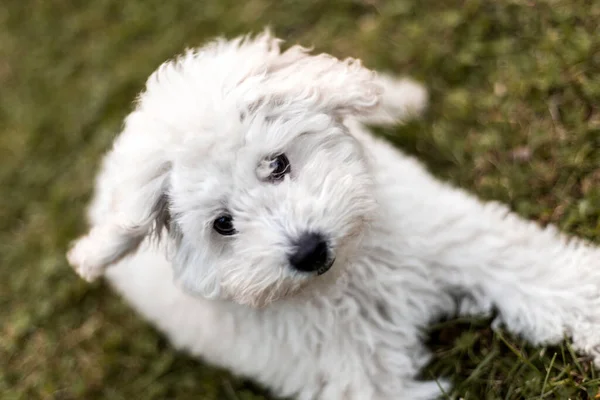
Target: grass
[(515, 87)]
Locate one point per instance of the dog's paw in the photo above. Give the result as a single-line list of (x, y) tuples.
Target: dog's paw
[(590, 350), (81, 261), (586, 338)]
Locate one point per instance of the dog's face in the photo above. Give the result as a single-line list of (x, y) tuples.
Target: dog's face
[(268, 207), (250, 169)]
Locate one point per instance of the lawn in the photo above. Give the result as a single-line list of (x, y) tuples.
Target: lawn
[(515, 89)]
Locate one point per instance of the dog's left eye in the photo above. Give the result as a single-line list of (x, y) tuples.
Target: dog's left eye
[(224, 225), (280, 166)]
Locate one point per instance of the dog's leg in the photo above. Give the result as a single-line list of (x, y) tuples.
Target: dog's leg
[(545, 285)]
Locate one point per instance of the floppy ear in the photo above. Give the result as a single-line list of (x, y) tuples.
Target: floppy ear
[(339, 87), (130, 198), (345, 87)]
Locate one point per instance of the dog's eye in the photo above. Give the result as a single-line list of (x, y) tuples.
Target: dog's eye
[(280, 166), (224, 225)]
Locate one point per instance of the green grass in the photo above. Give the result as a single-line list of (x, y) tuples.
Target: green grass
[(515, 87)]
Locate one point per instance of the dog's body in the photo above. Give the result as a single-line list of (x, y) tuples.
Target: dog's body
[(405, 245)]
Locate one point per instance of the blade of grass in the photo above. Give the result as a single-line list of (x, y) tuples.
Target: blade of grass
[(547, 375)]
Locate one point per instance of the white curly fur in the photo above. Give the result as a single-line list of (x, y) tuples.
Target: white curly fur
[(406, 245)]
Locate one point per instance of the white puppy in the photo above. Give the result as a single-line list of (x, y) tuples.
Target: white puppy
[(297, 249)]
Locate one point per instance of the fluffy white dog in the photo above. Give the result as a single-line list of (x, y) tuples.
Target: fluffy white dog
[(297, 249)]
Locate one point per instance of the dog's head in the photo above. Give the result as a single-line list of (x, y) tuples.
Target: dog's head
[(237, 155)]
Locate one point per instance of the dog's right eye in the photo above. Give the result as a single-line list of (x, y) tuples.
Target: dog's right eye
[(280, 166), (224, 225)]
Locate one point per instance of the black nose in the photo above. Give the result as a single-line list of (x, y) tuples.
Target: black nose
[(310, 253)]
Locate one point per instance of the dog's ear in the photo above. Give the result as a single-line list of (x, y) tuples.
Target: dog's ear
[(345, 87), (129, 203), (339, 87)]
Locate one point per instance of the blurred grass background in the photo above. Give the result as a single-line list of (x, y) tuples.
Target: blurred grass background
[(515, 88)]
